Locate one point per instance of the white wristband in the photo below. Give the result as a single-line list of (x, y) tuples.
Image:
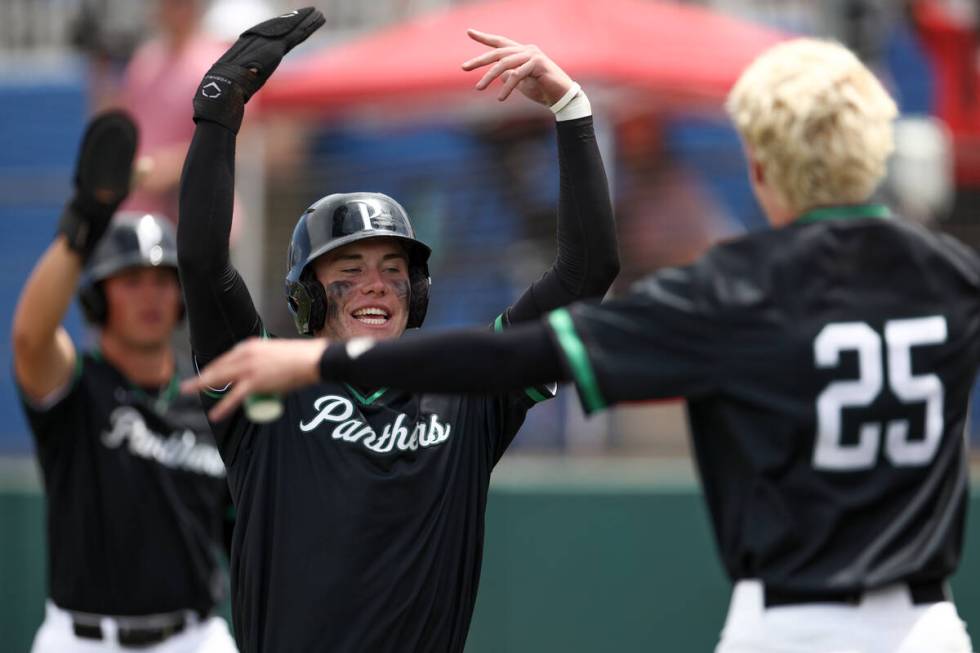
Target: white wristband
[(574, 104), (566, 98)]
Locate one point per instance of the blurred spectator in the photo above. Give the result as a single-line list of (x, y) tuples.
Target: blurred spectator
[(664, 213), (157, 89)]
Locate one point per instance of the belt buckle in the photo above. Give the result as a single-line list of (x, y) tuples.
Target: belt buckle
[(86, 631), (144, 637)]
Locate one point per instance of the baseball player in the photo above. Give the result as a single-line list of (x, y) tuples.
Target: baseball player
[(827, 365), (135, 487), (361, 509)]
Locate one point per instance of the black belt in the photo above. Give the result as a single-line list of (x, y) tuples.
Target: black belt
[(131, 637), (925, 592)]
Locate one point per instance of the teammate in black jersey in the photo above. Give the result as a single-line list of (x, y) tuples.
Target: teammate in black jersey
[(361, 509), (136, 490), (827, 366)]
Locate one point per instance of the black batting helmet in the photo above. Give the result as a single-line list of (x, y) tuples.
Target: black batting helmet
[(133, 239), (337, 220)]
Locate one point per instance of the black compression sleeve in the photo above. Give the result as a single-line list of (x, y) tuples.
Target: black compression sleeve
[(587, 261), (463, 361), (219, 308)]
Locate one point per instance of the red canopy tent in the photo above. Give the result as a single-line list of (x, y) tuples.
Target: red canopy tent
[(679, 52)]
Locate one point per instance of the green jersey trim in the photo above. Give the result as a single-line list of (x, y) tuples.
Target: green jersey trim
[(845, 212), (578, 359), (365, 400), (533, 393), (77, 371), (498, 324), (162, 399), (535, 396)]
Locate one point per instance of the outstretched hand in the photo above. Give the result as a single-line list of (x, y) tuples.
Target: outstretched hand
[(248, 64), (520, 66), (258, 366)]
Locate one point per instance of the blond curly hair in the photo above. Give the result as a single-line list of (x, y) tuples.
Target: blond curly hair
[(817, 121)]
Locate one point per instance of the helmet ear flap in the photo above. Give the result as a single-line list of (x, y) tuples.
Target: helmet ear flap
[(308, 304), (418, 276), (93, 302)]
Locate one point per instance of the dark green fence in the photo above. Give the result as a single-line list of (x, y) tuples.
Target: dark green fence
[(570, 569)]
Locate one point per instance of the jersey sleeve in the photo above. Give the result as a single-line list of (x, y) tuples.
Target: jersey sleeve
[(55, 415), (663, 340), (511, 408)]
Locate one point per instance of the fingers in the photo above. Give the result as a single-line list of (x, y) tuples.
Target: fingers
[(490, 57), (513, 78), (313, 21), (507, 63), (493, 40)]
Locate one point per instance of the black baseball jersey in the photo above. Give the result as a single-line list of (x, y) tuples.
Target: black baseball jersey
[(827, 367), (360, 513), (135, 495), (360, 517)]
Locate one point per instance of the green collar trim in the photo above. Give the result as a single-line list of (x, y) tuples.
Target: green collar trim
[(361, 399), (498, 324), (161, 400), (844, 212)]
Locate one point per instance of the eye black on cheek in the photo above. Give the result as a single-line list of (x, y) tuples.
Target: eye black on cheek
[(338, 290), (335, 293), (402, 288)]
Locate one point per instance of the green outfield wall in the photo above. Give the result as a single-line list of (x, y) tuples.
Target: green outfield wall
[(568, 568)]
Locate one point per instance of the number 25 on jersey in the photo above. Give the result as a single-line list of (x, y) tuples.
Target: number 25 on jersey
[(830, 453)]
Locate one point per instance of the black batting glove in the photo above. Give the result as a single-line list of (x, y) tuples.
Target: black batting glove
[(102, 179), (245, 67)]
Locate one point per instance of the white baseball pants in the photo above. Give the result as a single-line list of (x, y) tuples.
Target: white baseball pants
[(57, 635), (886, 621)]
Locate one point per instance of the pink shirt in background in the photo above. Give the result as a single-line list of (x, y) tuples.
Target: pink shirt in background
[(158, 89)]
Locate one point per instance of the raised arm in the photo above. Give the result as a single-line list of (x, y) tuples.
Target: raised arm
[(220, 311), (587, 259), (43, 352), (219, 307), (44, 355)]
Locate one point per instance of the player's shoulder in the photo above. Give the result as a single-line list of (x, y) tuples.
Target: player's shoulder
[(777, 260), (940, 248), (91, 363)]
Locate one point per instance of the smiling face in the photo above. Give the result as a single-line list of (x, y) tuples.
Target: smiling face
[(143, 306), (367, 287)]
